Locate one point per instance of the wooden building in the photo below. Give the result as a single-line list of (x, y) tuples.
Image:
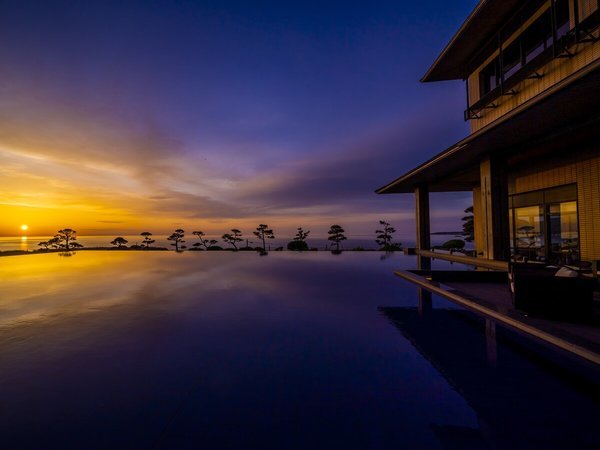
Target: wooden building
[(532, 159)]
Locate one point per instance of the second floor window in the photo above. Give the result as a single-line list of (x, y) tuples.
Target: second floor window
[(511, 60), (489, 77), (537, 38), (534, 41)]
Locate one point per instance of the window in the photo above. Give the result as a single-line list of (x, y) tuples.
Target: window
[(544, 225), (489, 77), (564, 232), (538, 37), (529, 232), (563, 23), (534, 41), (511, 59)]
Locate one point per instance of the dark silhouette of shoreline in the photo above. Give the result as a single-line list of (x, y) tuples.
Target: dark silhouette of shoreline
[(163, 249), (65, 241)]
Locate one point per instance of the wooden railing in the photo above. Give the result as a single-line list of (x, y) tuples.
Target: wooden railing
[(468, 260)]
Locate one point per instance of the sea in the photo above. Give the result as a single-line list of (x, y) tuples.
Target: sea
[(295, 351), (30, 243)]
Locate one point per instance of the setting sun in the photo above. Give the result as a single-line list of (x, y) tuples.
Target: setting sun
[(24, 227)]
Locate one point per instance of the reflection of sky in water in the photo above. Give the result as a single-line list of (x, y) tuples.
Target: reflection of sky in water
[(214, 350)]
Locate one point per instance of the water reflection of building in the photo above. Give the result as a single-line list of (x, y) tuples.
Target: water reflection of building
[(522, 401), (532, 160)]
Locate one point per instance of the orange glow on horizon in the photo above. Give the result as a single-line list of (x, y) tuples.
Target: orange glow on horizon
[(106, 221)]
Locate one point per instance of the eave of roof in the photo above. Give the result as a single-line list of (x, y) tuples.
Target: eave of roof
[(481, 25), (572, 101)]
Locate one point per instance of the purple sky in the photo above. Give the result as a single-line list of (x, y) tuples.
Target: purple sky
[(216, 113)]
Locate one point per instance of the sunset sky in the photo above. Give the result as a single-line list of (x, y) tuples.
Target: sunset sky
[(123, 116)]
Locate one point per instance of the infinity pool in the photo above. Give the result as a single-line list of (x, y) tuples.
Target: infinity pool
[(288, 351)]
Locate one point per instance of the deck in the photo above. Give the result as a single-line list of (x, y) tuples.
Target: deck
[(492, 299)]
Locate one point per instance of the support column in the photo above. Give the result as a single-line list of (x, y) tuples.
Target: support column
[(478, 228), (423, 225), (494, 209)]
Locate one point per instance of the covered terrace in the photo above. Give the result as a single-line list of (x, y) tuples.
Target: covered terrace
[(564, 117)]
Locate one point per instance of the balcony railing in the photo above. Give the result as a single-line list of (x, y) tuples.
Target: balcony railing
[(584, 31)]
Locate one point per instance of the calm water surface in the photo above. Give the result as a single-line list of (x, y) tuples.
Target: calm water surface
[(30, 243), (288, 351)]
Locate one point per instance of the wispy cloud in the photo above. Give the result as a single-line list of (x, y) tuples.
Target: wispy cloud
[(347, 175), (91, 161)]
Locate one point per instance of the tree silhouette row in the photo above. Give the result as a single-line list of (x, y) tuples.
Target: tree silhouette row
[(66, 239)]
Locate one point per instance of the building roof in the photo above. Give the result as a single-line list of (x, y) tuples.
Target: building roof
[(479, 28), (555, 114)]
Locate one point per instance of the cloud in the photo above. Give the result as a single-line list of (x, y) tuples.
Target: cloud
[(70, 154), (118, 165), (348, 175), (193, 206)]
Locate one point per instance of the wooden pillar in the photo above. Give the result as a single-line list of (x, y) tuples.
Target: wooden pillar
[(494, 210), (423, 224), (478, 225)]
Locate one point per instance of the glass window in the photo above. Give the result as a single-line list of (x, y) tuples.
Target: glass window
[(489, 77), (561, 194), (544, 225), (564, 233), (534, 41), (511, 59), (538, 37), (528, 199), (563, 23), (529, 232)]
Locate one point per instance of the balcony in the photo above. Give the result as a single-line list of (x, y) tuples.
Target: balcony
[(585, 31)]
